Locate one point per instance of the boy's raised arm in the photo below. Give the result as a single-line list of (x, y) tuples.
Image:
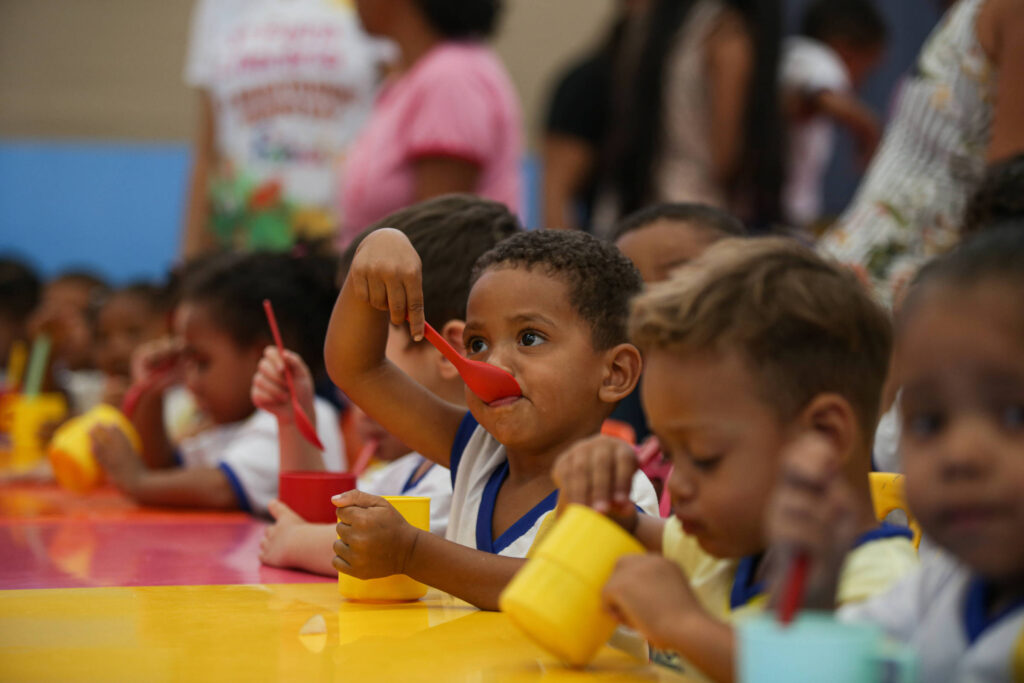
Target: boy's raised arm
[(384, 284)]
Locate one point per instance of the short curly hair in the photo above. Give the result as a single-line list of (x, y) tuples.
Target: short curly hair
[(804, 325), (601, 279), (460, 19)]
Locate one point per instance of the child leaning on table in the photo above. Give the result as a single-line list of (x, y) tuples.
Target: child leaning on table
[(220, 331), (752, 348), (959, 342), (550, 308), (448, 233)]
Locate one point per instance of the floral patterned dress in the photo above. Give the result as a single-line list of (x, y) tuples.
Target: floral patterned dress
[(910, 206)]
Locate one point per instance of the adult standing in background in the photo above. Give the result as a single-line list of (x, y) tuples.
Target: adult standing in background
[(447, 120), (961, 108), (285, 85), (696, 114)]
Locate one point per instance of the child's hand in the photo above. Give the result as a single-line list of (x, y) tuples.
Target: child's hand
[(276, 546), (115, 455), (386, 273), (650, 594), (270, 388), (598, 472), (157, 364), (374, 540), (811, 511)]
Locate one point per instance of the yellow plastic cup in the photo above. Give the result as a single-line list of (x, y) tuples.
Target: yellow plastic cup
[(555, 599), (29, 415), (397, 587), (70, 450)]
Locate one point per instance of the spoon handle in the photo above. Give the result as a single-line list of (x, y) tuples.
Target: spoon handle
[(442, 345)]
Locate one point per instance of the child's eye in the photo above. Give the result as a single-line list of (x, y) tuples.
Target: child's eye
[(924, 424), (531, 338), (475, 345), (1012, 416), (706, 464)]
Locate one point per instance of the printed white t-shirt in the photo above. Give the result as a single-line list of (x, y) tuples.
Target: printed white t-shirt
[(292, 82), (248, 453), (396, 479), (479, 465)]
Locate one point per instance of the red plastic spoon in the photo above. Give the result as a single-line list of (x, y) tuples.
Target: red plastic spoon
[(301, 420), (793, 588), (487, 381)]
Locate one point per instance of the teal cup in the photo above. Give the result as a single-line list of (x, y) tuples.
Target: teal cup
[(816, 648)]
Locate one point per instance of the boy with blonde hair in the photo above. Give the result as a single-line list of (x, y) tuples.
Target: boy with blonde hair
[(753, 349)]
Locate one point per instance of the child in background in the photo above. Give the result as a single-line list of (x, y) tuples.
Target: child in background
[(67, 314), (20, 291), (820, 72), (663, 237), (658, 240), (958, 355), (754, 347), (550, 308), (448, 233), (130, 317), (220, 333)]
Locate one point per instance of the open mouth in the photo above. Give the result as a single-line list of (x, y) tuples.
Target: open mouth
[(503, 401)]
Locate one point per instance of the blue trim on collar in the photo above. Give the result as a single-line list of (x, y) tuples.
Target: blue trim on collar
[(236, 486), (485, 515), (883, 531), (462, 437), (976, 620), (410, 483), (744, 588)]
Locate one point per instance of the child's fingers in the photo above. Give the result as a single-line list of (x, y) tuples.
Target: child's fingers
[(358, 499), (414, 305), (377, 294), (396, 302), (602, 476), (625, 467)]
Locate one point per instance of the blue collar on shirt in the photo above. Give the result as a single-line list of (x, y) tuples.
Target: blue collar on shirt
[(976, 619), (485, 515), (745, 588), (413, 480)]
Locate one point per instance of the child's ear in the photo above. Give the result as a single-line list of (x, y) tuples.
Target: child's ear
[(452, 333), (621, 373), (832, 416)]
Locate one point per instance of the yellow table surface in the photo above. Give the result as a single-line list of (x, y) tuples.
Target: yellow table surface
[(287, 632)]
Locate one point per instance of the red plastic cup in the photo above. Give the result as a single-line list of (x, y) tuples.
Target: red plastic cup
[(309, 493)]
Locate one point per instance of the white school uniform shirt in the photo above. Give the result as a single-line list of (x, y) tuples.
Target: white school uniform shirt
[(248, 453), (939, 611), (479, 465), (396, 479), (808, 67)]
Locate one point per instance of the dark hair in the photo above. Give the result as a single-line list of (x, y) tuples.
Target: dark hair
[(455, 19), (994, 254), (857, 21), (699, 215), (301, 290), (630, 162), (20, 290), (449, 233), (601, 279), (97, 287), (803, 324), (1000, 197)]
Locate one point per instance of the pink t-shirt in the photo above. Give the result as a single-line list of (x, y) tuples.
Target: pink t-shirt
[(456, 101)]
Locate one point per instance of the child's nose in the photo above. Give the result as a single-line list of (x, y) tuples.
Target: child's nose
[(966, 447), (681, 485)]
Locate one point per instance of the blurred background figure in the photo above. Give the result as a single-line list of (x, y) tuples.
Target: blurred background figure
[(576, 123), (840, 42), (284, 85), (696, 114), (961, 108), (447, 120), (20, 289)]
